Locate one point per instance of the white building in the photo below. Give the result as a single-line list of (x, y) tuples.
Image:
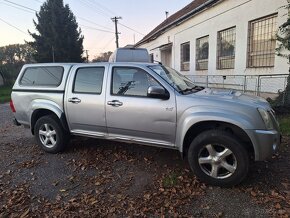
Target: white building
[(223, 37)]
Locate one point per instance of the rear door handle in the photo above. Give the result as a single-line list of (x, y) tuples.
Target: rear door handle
[(115, 103), (74, 100)]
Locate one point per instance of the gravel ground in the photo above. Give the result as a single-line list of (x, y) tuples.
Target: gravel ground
[(103, 178)]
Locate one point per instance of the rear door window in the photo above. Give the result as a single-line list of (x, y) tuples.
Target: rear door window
[(42, 76), (89, 80)]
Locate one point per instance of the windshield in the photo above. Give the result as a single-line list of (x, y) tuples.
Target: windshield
[(176, 80)]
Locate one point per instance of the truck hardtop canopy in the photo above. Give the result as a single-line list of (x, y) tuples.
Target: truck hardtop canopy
[(130, 54)]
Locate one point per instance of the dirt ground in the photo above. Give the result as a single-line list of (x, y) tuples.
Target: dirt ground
[(96, 178)]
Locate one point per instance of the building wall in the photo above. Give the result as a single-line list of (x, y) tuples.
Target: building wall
[(223, 15)]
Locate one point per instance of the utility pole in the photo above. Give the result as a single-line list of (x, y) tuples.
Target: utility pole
[(87, 55), (52, 50), (115, 20)]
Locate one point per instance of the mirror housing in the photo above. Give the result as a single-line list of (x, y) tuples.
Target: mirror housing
[(158, 92)]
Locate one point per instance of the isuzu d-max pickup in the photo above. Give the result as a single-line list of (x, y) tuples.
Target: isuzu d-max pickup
[(218, 131)]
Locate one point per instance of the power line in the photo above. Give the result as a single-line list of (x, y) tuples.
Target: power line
[(20, 5), (131, 29), (39, 1), (107, 44), (92, 22), (108, 10), (14, 27), (94, 9), (101, 8), (24, 9), (104, 8), (17, 7), (89, 27)]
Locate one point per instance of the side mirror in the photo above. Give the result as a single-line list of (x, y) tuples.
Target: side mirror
[(158, 92)]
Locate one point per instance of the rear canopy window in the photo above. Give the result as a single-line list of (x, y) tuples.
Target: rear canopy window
[(42, 76)]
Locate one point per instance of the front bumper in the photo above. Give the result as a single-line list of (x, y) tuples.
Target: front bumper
[(265, 142)]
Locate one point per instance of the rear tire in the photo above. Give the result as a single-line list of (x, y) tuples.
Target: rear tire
[(218, 158), (50, 135)]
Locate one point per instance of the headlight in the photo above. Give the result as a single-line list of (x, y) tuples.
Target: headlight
[(266, 118)]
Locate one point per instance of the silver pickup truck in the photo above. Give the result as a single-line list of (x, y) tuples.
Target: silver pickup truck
[(218, 131)]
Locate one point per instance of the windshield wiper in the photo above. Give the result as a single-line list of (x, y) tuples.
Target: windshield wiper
[(125, 88), (195, 88)]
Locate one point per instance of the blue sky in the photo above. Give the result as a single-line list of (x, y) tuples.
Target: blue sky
[(140, 15)]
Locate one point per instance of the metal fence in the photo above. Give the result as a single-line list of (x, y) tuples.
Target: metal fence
[(269, 85)]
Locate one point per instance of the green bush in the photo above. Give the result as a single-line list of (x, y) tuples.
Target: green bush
[(5, 94), (284, 122)]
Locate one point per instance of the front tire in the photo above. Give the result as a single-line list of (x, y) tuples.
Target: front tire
[(50, 135), (218, 158)]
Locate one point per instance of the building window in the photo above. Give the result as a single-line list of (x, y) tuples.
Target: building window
[(226, 48), (185, 56), (202, 47), (262, 42)]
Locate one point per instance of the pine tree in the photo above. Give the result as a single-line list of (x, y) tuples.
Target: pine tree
[(58, 39)]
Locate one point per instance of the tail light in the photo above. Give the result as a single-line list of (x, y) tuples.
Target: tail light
[(12, 106)]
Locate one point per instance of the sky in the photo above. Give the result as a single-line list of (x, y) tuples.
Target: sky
[(139, 17)]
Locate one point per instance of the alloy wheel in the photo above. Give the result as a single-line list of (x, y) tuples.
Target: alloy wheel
[(47, 135), (217, 161)]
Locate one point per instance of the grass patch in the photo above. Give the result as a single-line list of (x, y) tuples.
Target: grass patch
[(5, 94), (170, 180), (284, 122)]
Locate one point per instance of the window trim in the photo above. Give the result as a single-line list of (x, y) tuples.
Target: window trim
[(196, 54), (136, 96), (87, 93), (186, 62), (218, 49), (46, 85), (249, 40)]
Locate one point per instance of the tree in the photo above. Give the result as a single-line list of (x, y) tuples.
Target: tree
[(12, 58), (283, 50), (283, 37), (15, 54), (103, 57), (59, 38)]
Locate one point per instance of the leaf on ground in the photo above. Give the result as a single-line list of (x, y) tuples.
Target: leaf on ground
[(55, 183), (277, 206), (254, 194), (25, 213), (286, 185)]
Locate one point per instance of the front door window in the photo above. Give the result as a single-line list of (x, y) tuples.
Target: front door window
[(131, 82)]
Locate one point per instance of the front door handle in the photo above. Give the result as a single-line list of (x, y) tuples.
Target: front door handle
[(74, 100), (115, 103)]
